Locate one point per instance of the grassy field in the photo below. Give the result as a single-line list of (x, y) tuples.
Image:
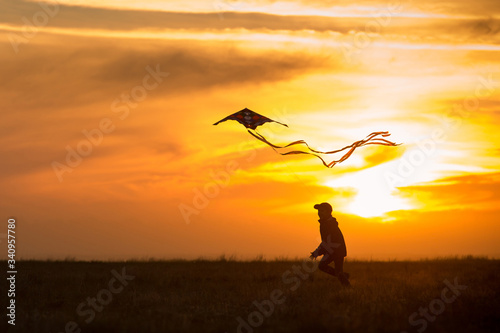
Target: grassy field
[(444, 295)]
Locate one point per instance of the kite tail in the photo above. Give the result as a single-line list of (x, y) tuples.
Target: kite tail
[(258, 136), (370, 140)]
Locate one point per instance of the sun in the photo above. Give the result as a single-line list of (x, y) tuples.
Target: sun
[(369, 202), (373, 198)]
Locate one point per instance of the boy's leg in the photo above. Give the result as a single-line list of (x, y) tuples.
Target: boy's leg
[(339, 264), (339, 270), (324, 265)]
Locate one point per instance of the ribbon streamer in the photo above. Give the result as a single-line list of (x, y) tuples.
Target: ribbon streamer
[(371, 139)]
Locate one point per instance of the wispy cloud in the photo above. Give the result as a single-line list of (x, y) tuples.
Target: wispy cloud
[(266, 55), (470, 192), (453, 29)]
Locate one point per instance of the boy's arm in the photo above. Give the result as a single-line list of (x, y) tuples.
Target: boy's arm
[(328, 246), (318, 252)]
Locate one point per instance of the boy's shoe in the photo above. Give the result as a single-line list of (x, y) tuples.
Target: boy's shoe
[(344, 280)]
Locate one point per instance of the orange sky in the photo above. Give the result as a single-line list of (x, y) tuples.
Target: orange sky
[(147, 79)]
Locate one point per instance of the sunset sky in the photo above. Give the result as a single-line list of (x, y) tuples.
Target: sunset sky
[(145, 80)]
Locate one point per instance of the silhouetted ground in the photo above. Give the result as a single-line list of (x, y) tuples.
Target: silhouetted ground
[(210, 296)]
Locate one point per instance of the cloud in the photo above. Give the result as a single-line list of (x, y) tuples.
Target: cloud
[(475, 192), (123, 19), (416, 234), (459, 7), (51, 92), (383, 154), (437, 29), (87, 70)]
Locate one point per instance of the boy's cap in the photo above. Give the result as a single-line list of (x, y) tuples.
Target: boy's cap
[(324, 206)]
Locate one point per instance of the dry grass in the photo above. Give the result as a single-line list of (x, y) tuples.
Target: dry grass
[(208, 296)]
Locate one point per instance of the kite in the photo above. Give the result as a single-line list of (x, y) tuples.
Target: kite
[(251, 120)]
